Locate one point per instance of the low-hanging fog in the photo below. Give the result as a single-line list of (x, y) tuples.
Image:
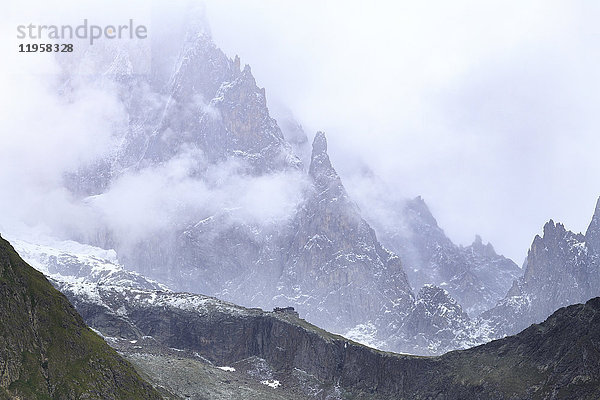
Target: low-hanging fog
[(487, 110)]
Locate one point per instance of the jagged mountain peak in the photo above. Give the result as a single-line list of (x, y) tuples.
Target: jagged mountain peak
[(482, 249), (553, 229), (592, 235), (474, 275), (552, 232), (561, 269), (335, 263), (319, 143)]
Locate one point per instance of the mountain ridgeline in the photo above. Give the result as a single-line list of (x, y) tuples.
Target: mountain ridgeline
[(47, 351), (542, 362)]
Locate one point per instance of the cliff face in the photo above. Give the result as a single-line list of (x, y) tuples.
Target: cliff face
[(46, 350), (541, 362)]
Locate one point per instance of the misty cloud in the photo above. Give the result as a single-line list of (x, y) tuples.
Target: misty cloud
[(187, 189), (485, 109), (66, 114)]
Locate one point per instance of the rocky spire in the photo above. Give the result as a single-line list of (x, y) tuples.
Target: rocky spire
[(321, 170), (326, 180), (592, 235), (336, 262), (559, 271)]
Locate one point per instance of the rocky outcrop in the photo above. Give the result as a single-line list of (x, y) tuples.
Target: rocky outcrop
[(437, 324), (217, 107), (46, 350)]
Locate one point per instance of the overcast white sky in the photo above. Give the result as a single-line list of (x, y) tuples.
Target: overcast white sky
[(488, 109)]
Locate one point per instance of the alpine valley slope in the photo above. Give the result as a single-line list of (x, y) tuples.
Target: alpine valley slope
[(46, 350)]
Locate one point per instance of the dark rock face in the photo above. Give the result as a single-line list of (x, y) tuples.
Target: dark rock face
[(335, 264), (46, 351), (562, 268), (475, 276), (541, 362)]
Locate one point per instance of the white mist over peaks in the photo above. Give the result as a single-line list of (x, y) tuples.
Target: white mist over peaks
[(46, 133), (187, 189), (63, 113), (486, 109)]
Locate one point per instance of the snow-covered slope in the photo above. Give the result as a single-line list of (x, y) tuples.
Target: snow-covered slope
[(69, 261)]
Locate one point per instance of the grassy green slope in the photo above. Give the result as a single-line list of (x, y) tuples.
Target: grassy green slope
[(47, 351)]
